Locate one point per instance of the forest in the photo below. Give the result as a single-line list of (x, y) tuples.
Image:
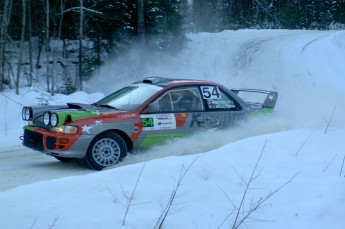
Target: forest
[(61, 42)]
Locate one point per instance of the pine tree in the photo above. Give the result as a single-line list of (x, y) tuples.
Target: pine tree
[(164, 24)]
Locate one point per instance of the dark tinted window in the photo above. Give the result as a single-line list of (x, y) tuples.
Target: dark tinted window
[(216, 99), (186, 99)]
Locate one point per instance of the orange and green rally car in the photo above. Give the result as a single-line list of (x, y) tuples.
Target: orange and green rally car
[(135, 117)]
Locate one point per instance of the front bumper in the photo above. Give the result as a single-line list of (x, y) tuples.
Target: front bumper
[(56, 144)]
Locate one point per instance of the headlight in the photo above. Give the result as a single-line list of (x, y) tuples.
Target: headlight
[(26, 113), (23, 113), (46, 118), (54, 119)]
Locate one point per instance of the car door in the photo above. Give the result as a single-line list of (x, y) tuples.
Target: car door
[(222, 110), (182, 111), (170, 116)]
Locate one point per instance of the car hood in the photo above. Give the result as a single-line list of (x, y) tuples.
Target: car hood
[(69, 112)]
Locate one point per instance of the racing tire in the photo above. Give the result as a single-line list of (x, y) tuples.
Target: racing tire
[(105, 150), (64, 159)]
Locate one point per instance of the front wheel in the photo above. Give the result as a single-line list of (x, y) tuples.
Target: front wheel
[(105, 150)]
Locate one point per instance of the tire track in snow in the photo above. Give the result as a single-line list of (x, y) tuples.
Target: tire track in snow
[(247, 53), (25, 166)]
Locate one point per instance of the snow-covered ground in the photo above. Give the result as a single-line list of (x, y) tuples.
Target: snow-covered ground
[(306, 68)]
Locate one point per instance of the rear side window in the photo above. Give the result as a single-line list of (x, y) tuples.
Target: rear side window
[(216, 99)]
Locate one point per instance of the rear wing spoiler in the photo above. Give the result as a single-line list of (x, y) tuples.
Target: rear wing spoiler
[(269, 102)]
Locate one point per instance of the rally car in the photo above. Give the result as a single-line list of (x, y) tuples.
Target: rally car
[(135, 117)]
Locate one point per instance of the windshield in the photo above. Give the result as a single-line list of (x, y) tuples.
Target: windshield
[(129, 98)]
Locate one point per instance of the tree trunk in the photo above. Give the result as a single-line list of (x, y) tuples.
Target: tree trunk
[(30, 45), (21, 46), (141, 20), (80, 72), (62, 8), (5, 19), (47, 45)]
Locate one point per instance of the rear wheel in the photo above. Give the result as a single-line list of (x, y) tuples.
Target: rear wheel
[(105, 150)]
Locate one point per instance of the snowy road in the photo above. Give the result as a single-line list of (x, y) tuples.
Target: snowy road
[(20, 166)]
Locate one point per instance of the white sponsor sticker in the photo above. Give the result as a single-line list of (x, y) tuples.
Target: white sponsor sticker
[(158, 122)]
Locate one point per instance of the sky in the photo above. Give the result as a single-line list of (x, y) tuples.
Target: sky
[(289, 158)]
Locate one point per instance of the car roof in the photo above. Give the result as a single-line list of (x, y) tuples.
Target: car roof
[(164, 82)]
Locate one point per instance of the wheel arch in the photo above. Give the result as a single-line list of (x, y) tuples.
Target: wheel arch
[(123, 135)]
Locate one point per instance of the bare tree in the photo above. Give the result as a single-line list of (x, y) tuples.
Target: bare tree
[(80, 65), (62, 8), (22, 39), (141, 20), (241, 214), (55, 49), (30, 44), (5, 20), (47, 44), (173, 196), (330, 120)]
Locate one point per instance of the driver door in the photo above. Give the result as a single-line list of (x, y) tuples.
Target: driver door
[(170, 116)]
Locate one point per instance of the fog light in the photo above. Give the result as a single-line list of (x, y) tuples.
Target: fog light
[(46, 118), (71, 129), (63, 141), (54, 119)]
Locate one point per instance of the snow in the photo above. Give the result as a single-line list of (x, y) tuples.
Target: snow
[(298, 156)]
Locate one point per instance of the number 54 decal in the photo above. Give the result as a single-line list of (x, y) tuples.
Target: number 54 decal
[(158, 122), (147, 122), (210, 92)]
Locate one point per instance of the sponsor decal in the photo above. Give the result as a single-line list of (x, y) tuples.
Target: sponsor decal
[(99, 122), (158, 122), (87, 129), (220, 104), (132, 115), (164, 116), (181, 119), (207, 120)]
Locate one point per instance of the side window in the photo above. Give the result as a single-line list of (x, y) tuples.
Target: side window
[(162, 104), (217, 99), (186, 99)]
